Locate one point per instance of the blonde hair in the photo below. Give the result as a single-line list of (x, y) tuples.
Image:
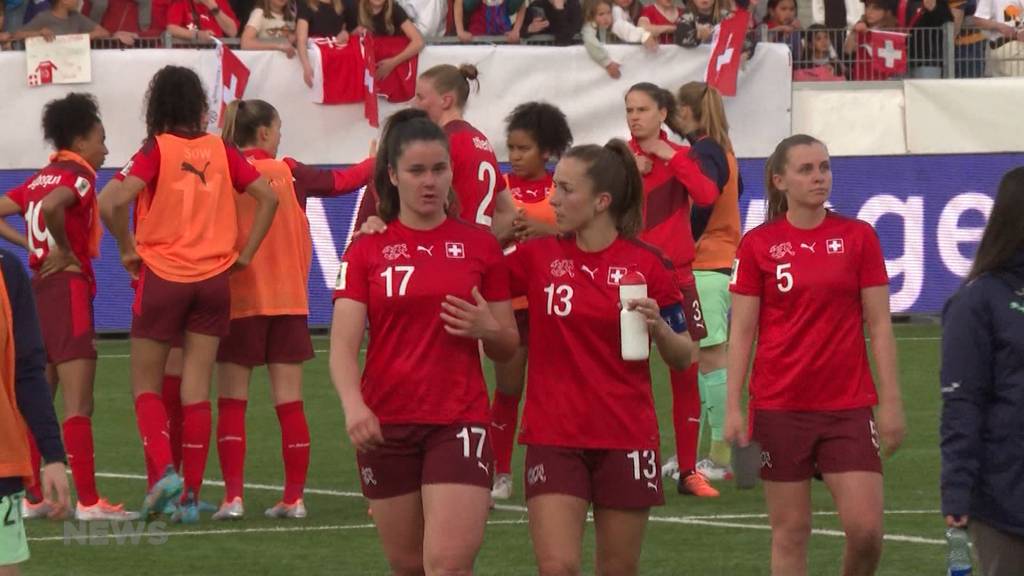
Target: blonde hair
[(447, 78), (366, 16), (288, 12), (708, 110)]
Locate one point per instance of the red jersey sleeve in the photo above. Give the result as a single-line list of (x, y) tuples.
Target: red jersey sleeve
[(872, 263), (353, 178), (353, 279), (242, 172), (18, 196), (702, 190), (661, 285), (516, 261), (145, 164), (496, 276), (747, 276)]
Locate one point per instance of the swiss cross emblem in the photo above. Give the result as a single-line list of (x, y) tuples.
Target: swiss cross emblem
[(615, 274), (454, 250), (834, 246)]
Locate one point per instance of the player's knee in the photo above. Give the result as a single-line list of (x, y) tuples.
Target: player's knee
[(411, 566), (558, 566), (865, 540), (449, 563), (791, 539), (618, 567)]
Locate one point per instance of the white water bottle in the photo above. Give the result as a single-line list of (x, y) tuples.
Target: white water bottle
[(632, 324)]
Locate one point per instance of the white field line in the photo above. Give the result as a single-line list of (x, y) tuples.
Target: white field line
[(715, 521)]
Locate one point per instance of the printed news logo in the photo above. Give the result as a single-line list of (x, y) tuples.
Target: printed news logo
[(114, 533)]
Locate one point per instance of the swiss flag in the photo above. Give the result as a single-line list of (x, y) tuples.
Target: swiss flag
[(234, 79), (370, 109), (400, 84), (885, 53), (339, 70), (724, 66)]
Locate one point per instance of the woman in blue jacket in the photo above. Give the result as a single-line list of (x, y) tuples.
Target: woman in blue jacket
[(983, 391)]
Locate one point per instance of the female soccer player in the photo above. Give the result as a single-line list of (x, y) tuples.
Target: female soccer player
[(806, 281), (671, 179), (442, 92), (431, 287), (983, 391), (269, 307), (182, 251), (536, 133), (717, 233), (589, 423), (59, 206)]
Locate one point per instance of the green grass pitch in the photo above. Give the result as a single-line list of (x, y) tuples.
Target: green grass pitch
[(726, 536)]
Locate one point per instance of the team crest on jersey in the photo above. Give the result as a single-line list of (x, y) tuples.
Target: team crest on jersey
[(81, 186), (455, 250), (561, 268), (780, 251), (396, 251), (615, 275), (481, 144), (536, 475), (44, 180), (835, 246)]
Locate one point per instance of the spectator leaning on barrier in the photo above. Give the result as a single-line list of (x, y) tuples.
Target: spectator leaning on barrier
[(1003, 21), (388, 18), (321, 19), (560, 18), (65, 19), (271, 26), (925, 18), (878, 15), (784, 26), (201, 20), (821, 61), (971, 42), (489, 18), (698, 22), (983, 391), (661, 18), (599, 28)]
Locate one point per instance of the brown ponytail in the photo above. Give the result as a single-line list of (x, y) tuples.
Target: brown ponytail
[(611, 168), (708, 110), (777, 204), (242, 118), (447, 78)]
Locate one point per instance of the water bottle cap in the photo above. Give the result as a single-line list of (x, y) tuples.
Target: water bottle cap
[(633, 279)]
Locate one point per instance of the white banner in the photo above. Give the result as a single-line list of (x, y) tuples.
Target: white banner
[(63, 60), (976, 116), (509, 75)]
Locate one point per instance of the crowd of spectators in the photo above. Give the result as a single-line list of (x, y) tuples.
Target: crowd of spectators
[(989, 34)]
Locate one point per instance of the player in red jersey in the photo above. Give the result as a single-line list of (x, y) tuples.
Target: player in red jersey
[(431, 287), (672, 179), (537, 133), (182, 251), (269, 307), (442, 92), (589, 423), (63, 233), (806, 282)]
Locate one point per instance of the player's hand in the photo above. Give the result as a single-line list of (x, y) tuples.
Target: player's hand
[(659, 148), (241, 263), (526, 228), (385, 67), (614, 70), (468, 319), (373, 225), (736, 428), (58, 260), (363, 427), (892, 426), (957, 521), (649, 308), (54, 480), (131, 261), (643, 163), (307, 75)]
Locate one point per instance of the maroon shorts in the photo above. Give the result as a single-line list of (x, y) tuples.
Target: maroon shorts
[(523, 325), (163, 309), (796, 446), (259, 340), (619, 479), (64, 305), (694, 316), (418, 454)]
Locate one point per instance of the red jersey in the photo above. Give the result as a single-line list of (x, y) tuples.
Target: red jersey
[(194, 15), (415, 372), (475, 176), (668, 188), (811, 353), (580, 393), (652, 13), (79, 217)]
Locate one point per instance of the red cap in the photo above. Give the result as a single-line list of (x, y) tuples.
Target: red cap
[(633, 279)]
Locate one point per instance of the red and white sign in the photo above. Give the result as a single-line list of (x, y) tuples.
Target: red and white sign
[(229, 84), (65, 60), (724, 65), (886, 53)]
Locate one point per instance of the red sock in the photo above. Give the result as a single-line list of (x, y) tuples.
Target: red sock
[(231, 445), (504, 415), (171, 392), (152, 474), (78, 441), (294, 449), (686, 415), (35, 491), (195, 446), (152, 422)]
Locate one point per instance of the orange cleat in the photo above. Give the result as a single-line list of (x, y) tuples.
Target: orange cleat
[(696, 485)]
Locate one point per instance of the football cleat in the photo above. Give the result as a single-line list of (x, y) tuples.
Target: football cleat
[(30, 511), (670, 469), (103, 510), (296, 510), (187, 512), (713, 471), (165, 491), (696, 485), (232, 510), (502, 487)]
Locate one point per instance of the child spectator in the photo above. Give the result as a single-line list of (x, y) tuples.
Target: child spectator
[(661, 19), (271, 26), (560, 18), (388, 18), (321, 19), (925, 45), (201, 20), (821, 61), (490, 18), (65, 19), (878, 15), (783, 25), (600, 28), (628, 10), (698, 23)]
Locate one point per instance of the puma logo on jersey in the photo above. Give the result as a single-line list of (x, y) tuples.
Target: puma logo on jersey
[(188, 167), (808, 246), (589, 271), (428, 249), (484, 466), (652, 486)]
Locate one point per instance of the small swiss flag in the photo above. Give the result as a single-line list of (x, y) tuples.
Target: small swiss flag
[(886, 52), (454, 250), (724, 65), (616, 274), (834, 246)]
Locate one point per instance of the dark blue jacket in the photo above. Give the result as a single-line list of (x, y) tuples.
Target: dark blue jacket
[(983, 400)]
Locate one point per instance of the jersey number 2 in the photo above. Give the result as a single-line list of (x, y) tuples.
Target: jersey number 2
[(487, 171)]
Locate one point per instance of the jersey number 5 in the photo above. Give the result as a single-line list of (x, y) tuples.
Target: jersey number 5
[(488, 172), (783, 277), (389, 279)]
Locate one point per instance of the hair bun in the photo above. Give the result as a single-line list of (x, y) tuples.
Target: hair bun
[(469, 71)]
